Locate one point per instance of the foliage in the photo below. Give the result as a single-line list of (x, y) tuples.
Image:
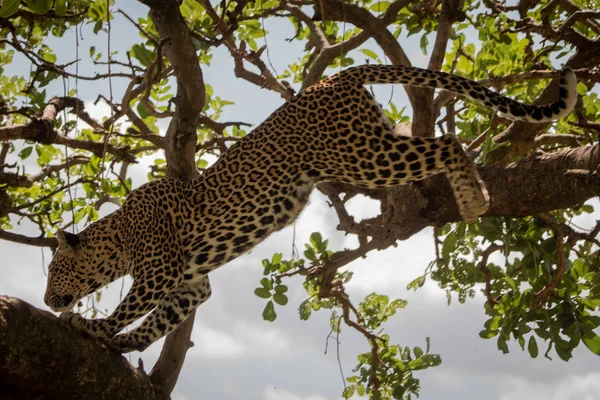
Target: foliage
[(386, 371), (516, 303)]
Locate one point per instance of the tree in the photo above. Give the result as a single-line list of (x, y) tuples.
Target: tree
[(539, 176)]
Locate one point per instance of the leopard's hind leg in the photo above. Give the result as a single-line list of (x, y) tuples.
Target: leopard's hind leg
[(360, 147), (394, 160)]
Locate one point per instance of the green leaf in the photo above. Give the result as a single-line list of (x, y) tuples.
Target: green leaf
[(593, 343), (144, 55), (281, 289), (502, 345), (310, 254), (39, 6), (360, 389), (347, 62), (9, 7), (305, 310), (416, 283), (26, 152), (269, 312), (532, 347), (97, 26), (267, 266), (449, 246), (267, 283), (142, 110), (380, 6), (493, 323), (44, 154), (417, 364), (418, 351), (316, 239), (506, 39), (370, 54), (486, 334), (94, 163), (423, 43), (349, 391), (399, 392), (564, 353), (262, 292), (276, 258), (579, 268), (280, 299), (60, 7)]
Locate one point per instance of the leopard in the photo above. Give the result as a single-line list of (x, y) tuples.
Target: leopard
[(169, 234)]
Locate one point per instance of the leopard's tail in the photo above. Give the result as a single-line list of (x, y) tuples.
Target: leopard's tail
[(405, 75)]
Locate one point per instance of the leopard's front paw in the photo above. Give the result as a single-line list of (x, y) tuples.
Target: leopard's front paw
[(126, 343), (97, 328), (75, 320)]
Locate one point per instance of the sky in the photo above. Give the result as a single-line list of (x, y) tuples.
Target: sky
[(237, 355)]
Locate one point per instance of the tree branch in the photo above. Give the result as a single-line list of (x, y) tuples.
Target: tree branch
[(16, 180), (32, 241), (537, 184), (451, 12)]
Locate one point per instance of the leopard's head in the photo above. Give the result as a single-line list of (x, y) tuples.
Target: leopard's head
[(76, 270)]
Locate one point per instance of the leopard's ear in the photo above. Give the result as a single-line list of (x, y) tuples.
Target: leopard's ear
[(67, 239)]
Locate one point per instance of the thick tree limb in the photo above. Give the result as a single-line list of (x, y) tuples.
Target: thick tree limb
[(180, 152), (450, 13), (165, 372), (181, 137), (37, 352), (537, 184)]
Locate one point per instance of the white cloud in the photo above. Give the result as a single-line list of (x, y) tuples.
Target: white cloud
[(212, 343), (22, 277), (97, 111), (270, 341), (585, 387), (450, 379), (242, 340), (362, 207), (272, 393)]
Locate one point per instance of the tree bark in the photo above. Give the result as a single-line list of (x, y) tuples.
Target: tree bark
[(38, 352)]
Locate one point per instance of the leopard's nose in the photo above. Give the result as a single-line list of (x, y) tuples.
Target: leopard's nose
[(67, 299)]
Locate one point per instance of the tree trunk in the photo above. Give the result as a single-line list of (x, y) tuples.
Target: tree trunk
[(43, 358)]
